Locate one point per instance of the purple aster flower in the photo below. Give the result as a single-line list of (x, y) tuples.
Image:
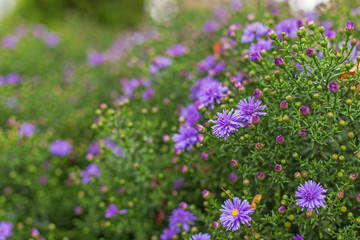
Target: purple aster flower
[(5, 230), (218, 69), (149, 93), (302, 132), (27, 129), (112, 145), (233, 28), (279, 61), (300, 68), (226, 123), (210, 26), (181, 217), (111, 211), (221, 13), (169, 233), (90, 171), (179, 183), (60, 148), (304, 110), (331, 34), (95, 58), (200, 236), (311, 196), (250, 108), (51, 39), (235, 212), (11, 102), (299, 237), (12, 78), (191, 114), (235, 5), (254, 56), (333, 86), (186, 138), (252, 31), (94, 148), (10, 41), (355, 11), (206, 64), (211, 92), (34, 232), (288, 26), (161, 62), (177, 50), (232, 177)]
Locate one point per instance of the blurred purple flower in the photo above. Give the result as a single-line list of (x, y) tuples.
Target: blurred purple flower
[(60, 148)]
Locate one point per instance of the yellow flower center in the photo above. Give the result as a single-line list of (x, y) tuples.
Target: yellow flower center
[(234, 212)]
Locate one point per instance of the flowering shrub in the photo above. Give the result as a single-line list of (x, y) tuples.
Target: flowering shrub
[(242, 125)]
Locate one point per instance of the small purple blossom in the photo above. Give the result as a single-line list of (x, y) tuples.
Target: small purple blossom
[(279, 61), (169, 233), (111, 211), (149, 93), (252, 31), (5, 230), (177, 50), (311, 195), (257, 93), (333, 86), (191, 114), (302, 132), (226, 123), (210, 26), (95, 59), (212, 92), (27, 129), (254, 56), (235, 5), (200, 236), (304, 110), (288, 26), (186, 138), (232, 177), (249, 108), (90, 171), (298, 237), (182, 218), (206, 64), (235, 212), (60, 148)]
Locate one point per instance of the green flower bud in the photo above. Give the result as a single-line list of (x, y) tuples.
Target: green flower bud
[(330, 115), (344, 209)]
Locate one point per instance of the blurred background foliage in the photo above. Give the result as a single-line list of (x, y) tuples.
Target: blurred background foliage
[(127, 13)]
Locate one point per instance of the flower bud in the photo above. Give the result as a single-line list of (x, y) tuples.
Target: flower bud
[(283, 105), (349, 27), (282, 209), (340, 194), (246, 182), (279, 61), (233, 163), (304, 110), (310, 52), (352, 176), (304, 173), (333, 86), (260, 176), (280, 139), (278, 168), (297, 175), (215, 224)]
